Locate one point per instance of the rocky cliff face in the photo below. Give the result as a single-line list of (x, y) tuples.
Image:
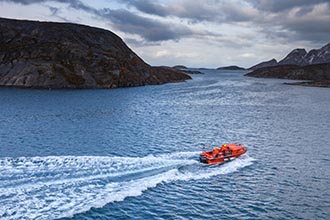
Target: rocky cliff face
[(295, 57), (62, 55), (319, 56)]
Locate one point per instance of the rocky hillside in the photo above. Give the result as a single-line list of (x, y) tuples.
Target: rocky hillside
[(62, 55), (295, 57), (300, 57), (272, 62), (318, 74)]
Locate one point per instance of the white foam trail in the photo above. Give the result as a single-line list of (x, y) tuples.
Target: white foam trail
[(55, 187)]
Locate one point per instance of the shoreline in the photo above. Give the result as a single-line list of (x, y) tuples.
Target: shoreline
[(320, 84)]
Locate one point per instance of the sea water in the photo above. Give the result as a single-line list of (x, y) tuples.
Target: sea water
[(133, 152)]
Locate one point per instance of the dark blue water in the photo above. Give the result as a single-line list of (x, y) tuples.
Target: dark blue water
[(132, 153)]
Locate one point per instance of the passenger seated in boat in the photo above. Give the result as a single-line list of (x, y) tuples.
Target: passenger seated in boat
[(226, 150), (216, 151), (223, 147)]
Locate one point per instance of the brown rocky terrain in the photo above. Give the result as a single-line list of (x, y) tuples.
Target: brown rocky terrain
[(317, 74), (62, 55)]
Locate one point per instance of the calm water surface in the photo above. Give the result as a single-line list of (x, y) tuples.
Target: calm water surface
[(132, 153)]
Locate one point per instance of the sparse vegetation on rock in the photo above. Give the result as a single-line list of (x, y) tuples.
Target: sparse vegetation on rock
[(63, 55)]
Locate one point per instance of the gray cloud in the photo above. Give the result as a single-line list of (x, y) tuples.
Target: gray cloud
[(312, 30), (272, 17), (24, 2), (53, 10), (29, 2), (149, 29), (283, 5), (304, 10), (76, 4), (141, 43), (198, 11), (307, 22), (149, 7)]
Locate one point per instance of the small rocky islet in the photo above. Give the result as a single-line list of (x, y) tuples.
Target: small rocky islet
[(52, 55), (186, 70), (233, 67)]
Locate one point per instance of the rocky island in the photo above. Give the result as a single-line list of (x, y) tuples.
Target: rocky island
[(186, 70), (230, 68), (313, 66), (180, 67), (63, 55)]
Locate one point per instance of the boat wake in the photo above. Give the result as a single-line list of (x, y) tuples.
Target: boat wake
[(61, 186)]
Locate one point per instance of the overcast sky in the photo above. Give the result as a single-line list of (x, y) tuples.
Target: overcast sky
[(195, 33)]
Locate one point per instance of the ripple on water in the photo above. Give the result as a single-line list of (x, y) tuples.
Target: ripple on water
[(64, 152), (42, 187)]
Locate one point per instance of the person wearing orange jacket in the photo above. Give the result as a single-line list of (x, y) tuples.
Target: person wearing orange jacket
[(216, 151)]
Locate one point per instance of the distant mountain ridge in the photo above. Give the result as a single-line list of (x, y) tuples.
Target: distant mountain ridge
[(300, 57), (295, 57)]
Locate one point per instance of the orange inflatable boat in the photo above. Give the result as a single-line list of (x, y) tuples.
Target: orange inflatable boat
[(226, 153)]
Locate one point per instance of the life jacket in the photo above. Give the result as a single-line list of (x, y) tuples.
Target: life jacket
[(216, 151)]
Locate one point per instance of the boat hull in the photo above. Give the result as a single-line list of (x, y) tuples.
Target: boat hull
[(230, 152)]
